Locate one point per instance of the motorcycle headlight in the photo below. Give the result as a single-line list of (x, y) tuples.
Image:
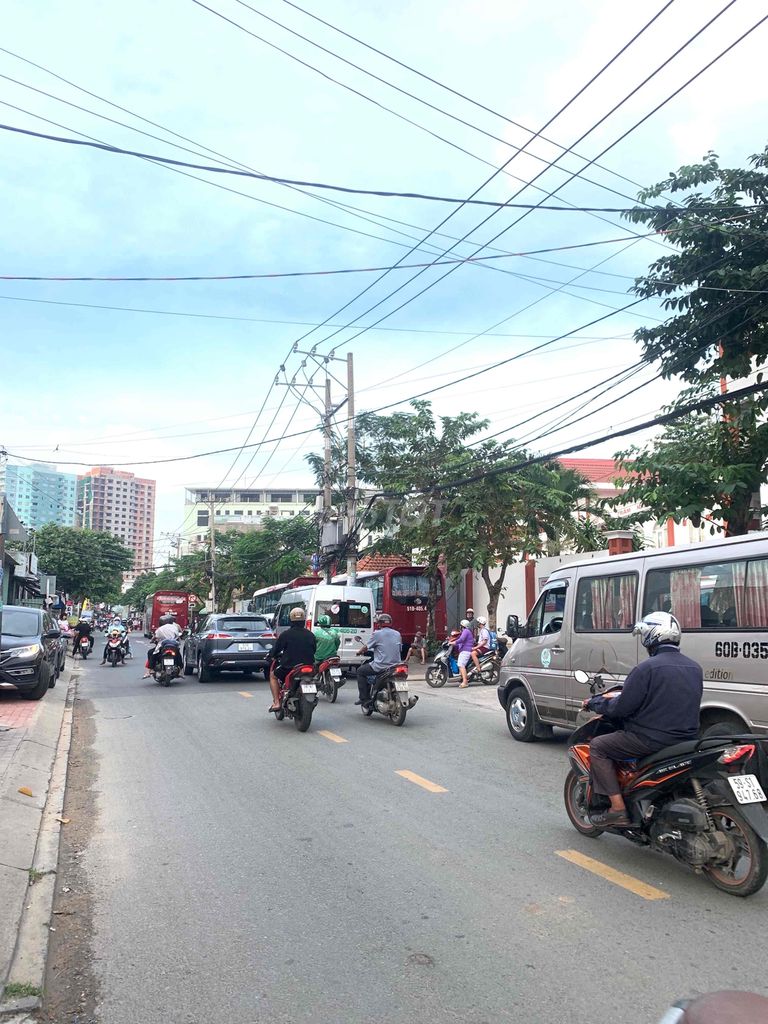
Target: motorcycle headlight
[(30, 651)]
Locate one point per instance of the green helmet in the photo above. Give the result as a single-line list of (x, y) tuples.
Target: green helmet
[(324, 620)]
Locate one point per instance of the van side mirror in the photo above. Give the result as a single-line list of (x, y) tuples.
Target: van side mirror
[(513, 627), (581, 676)]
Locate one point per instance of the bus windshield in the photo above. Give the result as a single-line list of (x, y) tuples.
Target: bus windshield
[(406, 587)]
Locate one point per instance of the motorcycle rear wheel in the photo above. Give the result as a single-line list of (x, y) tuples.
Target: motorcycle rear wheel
[(399, 716), (436, 676), (574, 795), (331, 689), (303, 717), (752, 854)]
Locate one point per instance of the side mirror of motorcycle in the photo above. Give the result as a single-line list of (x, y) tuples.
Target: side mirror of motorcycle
[(581, 676), (513, 627)]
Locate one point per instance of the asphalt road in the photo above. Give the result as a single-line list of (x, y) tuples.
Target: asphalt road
[(244, 872)]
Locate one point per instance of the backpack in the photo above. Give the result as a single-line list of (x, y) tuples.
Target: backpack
[(494, 641)]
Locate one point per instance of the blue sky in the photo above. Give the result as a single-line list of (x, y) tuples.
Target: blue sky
[(111, 386)]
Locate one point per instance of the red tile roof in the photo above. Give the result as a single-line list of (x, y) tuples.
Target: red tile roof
[(376, 562), (598, 471)]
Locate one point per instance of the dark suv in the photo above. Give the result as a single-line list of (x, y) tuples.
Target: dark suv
[(232, 643), (29, 651)]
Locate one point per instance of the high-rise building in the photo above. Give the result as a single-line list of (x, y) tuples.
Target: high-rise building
[(39, 494), (121, 504)]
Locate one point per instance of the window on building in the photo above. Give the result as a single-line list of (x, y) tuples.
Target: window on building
[(309, 497), (281, 496), (202, 518)]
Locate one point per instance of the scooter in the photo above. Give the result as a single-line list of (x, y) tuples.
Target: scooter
[(329, 678), (444, 667), (298, 697), (389, 695), (115, 653), (697, 800), (167, 663), (83, 647)]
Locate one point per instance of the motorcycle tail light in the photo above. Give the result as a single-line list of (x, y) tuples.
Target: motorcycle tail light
[(731, 754), (401, 670), (219, 636), (306, 670)]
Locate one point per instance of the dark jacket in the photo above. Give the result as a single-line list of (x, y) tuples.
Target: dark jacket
[(660, 701), (295, 646)]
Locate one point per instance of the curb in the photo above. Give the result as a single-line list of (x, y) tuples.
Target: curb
[(31, 953)]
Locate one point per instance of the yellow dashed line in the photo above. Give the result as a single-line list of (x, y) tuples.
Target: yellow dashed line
[(646, 892), (331, 736), (244, 693), (431, 787)]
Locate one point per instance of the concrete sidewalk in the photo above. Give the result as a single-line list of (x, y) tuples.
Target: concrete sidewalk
[(30, 733)]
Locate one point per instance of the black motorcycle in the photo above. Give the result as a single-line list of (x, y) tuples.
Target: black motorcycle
[(700, 801), (115, 652), (389, 695), (167, 663), (298, 697)]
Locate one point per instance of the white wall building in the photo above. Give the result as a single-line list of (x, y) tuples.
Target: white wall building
[(238, 509)]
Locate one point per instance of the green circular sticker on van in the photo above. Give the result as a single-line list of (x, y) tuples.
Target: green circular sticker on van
[(546, 657)]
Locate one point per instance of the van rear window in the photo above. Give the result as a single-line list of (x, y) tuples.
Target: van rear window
[(345, 613)]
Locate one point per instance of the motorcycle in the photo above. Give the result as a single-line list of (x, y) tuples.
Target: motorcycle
[(329, 678), (389, 696), (696, 800), (167, 663), (115, 653), (298, 696), (83, 647), (441, 669)]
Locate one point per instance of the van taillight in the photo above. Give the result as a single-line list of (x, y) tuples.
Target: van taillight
[(309, 623)]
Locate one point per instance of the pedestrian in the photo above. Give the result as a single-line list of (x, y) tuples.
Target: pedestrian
[(464, 646), (418, 647), (472, 622)]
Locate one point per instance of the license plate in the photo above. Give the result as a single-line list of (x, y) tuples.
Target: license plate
[(168, 662), (335, 673), (308, 688), (246, 647), (401, 685), (746, 789)]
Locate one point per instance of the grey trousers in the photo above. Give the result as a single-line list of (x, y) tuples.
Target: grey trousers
[(616, 746)]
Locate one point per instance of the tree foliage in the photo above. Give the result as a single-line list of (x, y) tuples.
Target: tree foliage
[(86, 563)]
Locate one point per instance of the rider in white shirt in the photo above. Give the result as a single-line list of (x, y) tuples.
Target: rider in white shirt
[(167, 630)]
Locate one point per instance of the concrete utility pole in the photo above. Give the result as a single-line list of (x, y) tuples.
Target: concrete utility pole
[(212, 539), (327, 459), (351, 473)]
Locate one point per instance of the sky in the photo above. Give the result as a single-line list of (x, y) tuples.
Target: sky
[(124, 372)]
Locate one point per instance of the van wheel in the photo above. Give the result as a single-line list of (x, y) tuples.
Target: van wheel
[(521, 715), (722, 724)]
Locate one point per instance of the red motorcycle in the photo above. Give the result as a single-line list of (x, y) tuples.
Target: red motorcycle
[(329, 679), (298, 696)]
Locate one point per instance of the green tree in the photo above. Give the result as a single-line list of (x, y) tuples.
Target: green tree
[(713, 284), (86, 563)]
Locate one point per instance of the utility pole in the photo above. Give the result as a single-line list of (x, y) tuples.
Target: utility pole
[(212, 539), (327, 458), (351, 474)]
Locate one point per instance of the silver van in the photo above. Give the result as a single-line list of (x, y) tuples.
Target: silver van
[(350, 610), (584, 616)]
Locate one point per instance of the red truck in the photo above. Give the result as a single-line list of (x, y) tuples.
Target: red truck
[(165, 602)]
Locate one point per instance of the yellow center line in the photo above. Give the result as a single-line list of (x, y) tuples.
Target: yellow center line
[(331, 736), (244, 693), (431, 787), (646, 892)]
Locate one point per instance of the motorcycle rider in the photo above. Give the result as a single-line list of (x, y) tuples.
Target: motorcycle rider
[(114, 634), (464, 645), (83, 628), (295, 646), (117, 628), (483, 642), (328, 639), (385, 645), (167, 629), (658, 707)]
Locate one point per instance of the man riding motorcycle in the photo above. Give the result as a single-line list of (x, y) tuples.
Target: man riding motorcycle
[(385, 645), (167, 629), (295, 646), (328, 639), (117, 629), (83, 628), (658, 707)]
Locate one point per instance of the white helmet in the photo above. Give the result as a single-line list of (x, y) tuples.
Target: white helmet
[(657, 628), (482, 620), (465, 623)]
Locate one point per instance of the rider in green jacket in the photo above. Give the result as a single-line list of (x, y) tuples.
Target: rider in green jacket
[(328, 640)]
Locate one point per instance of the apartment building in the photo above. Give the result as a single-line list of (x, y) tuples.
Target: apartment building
[(121, 504), (39, 494), (238, 509)]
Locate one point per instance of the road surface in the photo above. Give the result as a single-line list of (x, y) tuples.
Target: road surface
[(242, 872)]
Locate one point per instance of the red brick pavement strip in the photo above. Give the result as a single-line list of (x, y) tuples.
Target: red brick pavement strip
[(17, 716)]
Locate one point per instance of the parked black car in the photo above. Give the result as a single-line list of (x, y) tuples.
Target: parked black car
[(230, 643), (29, 651)]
